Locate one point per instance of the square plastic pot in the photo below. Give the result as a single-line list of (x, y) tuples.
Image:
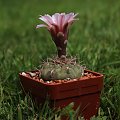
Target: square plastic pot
[(84, 92)]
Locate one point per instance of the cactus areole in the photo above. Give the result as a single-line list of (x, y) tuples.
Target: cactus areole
[(58, 26)]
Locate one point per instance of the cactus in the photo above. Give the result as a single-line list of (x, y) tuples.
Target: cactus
[(60, 70)]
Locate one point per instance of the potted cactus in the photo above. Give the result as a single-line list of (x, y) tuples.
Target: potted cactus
[(62, 78)]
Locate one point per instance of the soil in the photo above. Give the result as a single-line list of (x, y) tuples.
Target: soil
[(35, 75)]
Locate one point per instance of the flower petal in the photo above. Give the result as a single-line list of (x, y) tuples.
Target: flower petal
[(60, 17), (72, 18), (67, 17), (41, 25), (55, 18), (49, 18), (46, 19)]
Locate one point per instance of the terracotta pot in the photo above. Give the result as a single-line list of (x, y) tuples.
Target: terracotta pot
[(84, 92)]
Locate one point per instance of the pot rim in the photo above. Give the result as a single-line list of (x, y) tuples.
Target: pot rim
[(97, 75)]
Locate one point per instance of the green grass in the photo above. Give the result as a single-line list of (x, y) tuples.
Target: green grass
[(95, 39)]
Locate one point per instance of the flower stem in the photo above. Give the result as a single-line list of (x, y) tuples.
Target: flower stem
[(61, 52), (61, 44)]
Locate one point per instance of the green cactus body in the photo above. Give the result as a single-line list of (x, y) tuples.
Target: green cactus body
[(55, 71)]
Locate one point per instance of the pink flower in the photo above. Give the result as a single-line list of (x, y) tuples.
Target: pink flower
[(58, 26)]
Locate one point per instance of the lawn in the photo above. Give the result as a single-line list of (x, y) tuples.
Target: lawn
[(94, 39)]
